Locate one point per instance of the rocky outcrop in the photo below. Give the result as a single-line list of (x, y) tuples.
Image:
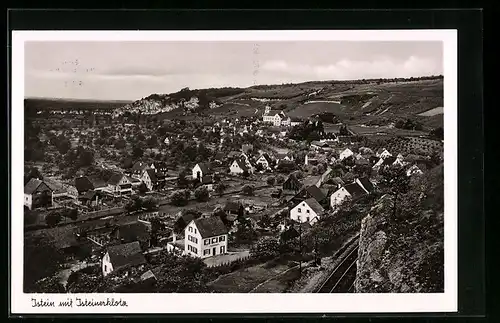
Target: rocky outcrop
[(404, 256)]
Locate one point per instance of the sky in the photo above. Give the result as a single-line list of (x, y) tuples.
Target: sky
[(133, 70)]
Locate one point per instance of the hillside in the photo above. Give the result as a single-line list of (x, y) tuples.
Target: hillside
[(370, 103), (404, 253)]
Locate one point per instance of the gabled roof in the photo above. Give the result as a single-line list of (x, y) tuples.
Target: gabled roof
[(219, 156), (380, 150), (315, 192), (139, 166), (266, 156), (115, 179), (152, 175), (241, 164), (210, 227), (205, 168), (83, 184), (159, 165), (313, 204), (367, 184), (33, 185), (274, 112), (355, 190), (90, 195), (97, 182), (233, 206), (389, 161), (128, 254)]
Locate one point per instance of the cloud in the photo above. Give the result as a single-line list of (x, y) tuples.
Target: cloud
[(346, 69)]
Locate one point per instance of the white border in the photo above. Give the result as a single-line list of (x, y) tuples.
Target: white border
[(244, 303)]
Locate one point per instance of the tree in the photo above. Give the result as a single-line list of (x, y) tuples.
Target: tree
[(394, 182), (437, 133), (280, 179), (265, 221), (180, 198), (137, 152), (32, 172), (245, 173), (343, 131), (259, 167), (201, 194), (348, 177), (49, 285), (71, 214), (182, 181), (142, 188), (149, 203), (220, 188), (41, 259), (271, 180), (248, 189), (266, 248), (52, 219)]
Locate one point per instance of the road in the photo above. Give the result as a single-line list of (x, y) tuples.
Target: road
[(342, 278)]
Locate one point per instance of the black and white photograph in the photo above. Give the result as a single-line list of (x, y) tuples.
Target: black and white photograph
[(234, 164)]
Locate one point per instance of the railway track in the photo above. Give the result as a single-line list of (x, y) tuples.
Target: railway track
[(341, 280)]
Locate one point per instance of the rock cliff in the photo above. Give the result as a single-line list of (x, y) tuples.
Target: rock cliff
[(404, 254)]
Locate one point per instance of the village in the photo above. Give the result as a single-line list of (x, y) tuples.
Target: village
[(262, 203)]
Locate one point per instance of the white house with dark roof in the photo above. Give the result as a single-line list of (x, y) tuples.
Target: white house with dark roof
[(205, 237), (119, 184), (276, 117), (350, 191), (200, 170), (382, 153), (413, 170), (37, 194), (309, 211), (346, 153), (264, 160), (122, 256), (153, 179), (238, 166)]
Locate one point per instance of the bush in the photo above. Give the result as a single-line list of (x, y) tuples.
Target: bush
[(265, 249), (52, 219), (248, 190), (201, 194), (271, 180), (180, 198)]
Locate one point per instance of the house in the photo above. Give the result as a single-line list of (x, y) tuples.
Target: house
[(310, 161), (119, 184), (134, 181), (83, 185), (346, 153), (208, 182), (206, 237), (234, 208), (276, 117), (307, 211), (382, 153), (413, 170), (91, 198), (319, 145), (239, 167), (387, 162), (153, 179), (183, 219), (311, 191), (200, 170), (295, 121), (292, 184), (166, 141), (138, 168), (284, 157), (264, 160), (122, 256), (37, 194), (350, 191), (366, 184), (159, 166)]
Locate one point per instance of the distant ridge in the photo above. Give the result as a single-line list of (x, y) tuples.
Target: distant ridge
[(78, 100)]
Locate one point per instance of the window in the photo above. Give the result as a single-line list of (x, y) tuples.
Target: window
[(307, 218), (214, 240), (194, 230), (206, 252), (222, 238), (105, 268), (190, 229), (207, 241), (308, 211), (195, 250), (298, 218), (300, 210)]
